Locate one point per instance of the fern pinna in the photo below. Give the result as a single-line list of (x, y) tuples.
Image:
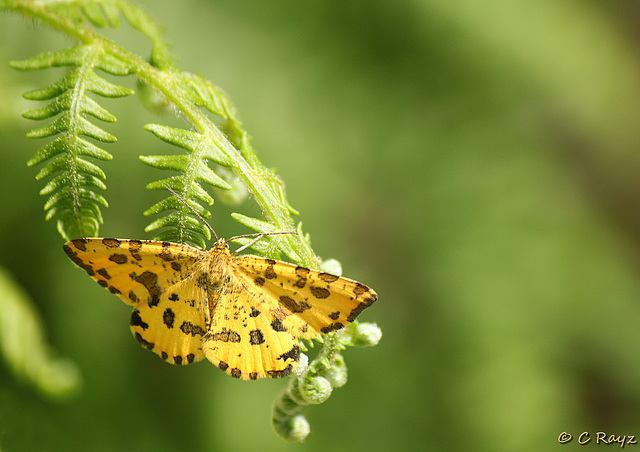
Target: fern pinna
[(73, 198), (220, 157)]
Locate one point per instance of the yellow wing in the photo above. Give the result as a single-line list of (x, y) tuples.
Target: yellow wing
[(246, 336), (324, 302), (267, 306), (156, 278)]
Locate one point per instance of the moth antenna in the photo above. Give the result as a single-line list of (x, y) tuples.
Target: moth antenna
[(182, 200), (258, 236)]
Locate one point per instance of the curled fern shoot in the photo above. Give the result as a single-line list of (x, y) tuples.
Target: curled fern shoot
[(314, 383)]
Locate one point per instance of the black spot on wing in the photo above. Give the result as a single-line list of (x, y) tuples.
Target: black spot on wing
[(280, 373), (133, 297), (135, 245), (302, 272), (256, 337), (168, 317), (119, 258), (333, 327), (136, 320), (150, 281), (358, 309), (328, 277), (190, 328), (319, 292), (293, 354), (111, 243), (360, 289), (278, 326), (79, 244), (269, 272), (292, 305), (166, 253), (103, 272), (146, 344), (224, 335)]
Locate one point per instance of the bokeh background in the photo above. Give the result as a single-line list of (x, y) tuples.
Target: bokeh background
[(475, 162)]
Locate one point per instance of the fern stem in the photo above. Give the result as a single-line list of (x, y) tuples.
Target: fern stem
[(73, 157), (37, 10)]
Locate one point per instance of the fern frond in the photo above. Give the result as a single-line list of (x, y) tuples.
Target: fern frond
[(181, 225), (72, 192), (106, 13)]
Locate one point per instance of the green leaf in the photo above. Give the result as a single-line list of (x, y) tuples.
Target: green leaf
[(191, 141), (72, 192), (175, 203), (63, 163), (73, 56), (254, 224), (65, 102), (206, 94), (90, 80), (93, 55), (76, 125)]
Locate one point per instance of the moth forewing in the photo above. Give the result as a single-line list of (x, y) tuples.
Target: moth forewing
[(323, 301)]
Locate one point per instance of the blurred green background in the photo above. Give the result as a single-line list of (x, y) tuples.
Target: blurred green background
[(475, 162)]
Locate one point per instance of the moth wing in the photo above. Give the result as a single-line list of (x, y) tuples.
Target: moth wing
[(247, 337), (324, 302), (170, 313), (173, 329)]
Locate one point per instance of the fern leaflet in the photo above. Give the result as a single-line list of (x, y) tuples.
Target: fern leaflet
[(73, 198)]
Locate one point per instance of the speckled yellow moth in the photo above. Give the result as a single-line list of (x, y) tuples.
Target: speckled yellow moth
[(245, 314)]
